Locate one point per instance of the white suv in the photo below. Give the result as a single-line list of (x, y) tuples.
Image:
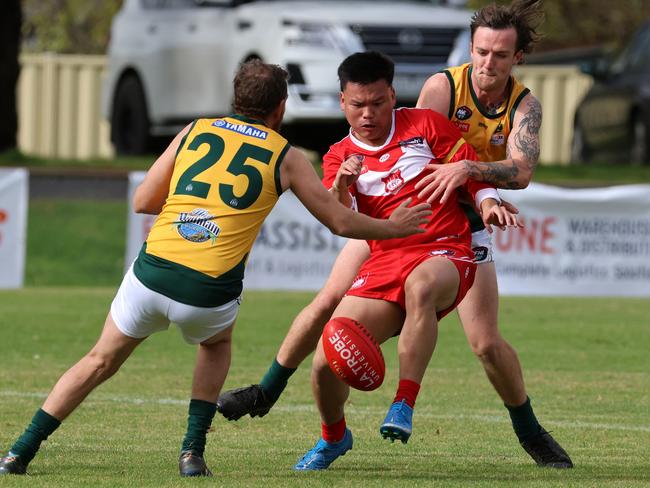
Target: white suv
[(171, 61)]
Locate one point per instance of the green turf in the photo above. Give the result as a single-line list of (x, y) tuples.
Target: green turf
[(75, 242), (586, 363)]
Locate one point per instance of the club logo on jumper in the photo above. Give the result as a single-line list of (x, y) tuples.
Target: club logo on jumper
[(413, 141), (244, 129), (197, 226), (359, 281), (384, 157), (497, 139), (442, 252), (463, 113), (393, 182), (463, 126)]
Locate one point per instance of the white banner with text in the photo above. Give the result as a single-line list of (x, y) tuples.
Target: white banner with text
[(575, 242), (580, 242), (14, 189)]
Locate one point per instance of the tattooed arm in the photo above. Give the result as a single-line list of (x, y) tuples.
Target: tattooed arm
[(514, 172)]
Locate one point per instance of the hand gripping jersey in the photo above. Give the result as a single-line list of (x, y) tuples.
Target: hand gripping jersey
[(390, 172), (225, 182), (487, 133)]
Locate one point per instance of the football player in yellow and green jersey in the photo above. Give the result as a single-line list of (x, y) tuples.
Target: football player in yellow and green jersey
[(226, 180), (213, 186)]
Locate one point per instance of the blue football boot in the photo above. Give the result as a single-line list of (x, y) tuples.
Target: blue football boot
[(323, 453), (398, 423)]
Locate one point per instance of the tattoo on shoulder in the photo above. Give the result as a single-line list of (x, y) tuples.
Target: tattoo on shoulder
[(526, 138)]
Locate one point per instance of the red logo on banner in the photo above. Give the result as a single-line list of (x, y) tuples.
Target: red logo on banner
[(3, 218), (535, 236)]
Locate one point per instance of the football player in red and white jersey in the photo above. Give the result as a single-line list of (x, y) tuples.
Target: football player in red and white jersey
[(408, 284), (501, 34)]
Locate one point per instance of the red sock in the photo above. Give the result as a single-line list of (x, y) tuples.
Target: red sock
[(334, 432), (408, 391)]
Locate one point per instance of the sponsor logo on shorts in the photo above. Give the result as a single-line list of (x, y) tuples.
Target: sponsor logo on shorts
[(463, 113), (197, 226), (480, 253), (497, 139), (413, 141), (359, 281), (442, 252), (244, 129), (463, 126), (393, 182)]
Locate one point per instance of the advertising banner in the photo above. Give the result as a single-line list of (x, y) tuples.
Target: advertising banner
[(580, 242), (576, 242), (14, 184)]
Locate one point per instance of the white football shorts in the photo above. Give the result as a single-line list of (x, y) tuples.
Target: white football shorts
[(138, 312), (482, 247)]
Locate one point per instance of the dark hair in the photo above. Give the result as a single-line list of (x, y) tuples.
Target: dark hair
[(365, 68), (524, 15), (259, 88)]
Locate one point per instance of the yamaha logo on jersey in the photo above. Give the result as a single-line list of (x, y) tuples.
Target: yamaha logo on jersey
[(393, 182), (244, 129), (197, 226), (463, 113)]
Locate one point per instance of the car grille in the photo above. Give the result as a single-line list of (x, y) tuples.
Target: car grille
[(409, 44)]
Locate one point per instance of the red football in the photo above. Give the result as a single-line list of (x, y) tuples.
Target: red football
[(353, 354)]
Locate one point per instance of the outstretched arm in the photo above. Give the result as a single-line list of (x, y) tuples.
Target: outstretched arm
[(514, 172), (297, 173)]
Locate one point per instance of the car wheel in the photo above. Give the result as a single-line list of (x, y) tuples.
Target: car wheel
[(579, 150), (639, 150), (130, 121)]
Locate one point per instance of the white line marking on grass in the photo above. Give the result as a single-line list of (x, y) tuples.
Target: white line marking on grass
[(375, 411)]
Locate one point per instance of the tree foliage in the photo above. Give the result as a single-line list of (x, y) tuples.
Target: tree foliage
[(68, 26), (585, 23)]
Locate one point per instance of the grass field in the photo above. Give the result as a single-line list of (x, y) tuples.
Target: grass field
[(586, 362)]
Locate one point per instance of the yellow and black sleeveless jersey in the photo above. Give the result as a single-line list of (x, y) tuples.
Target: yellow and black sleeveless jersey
[(486, 132), (226, 180)]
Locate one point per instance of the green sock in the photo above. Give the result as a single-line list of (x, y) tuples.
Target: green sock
[(275, 380), (199, 420), (41, 427), (523, 420)]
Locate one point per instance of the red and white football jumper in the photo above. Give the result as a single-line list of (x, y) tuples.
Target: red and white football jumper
[(388, 177)]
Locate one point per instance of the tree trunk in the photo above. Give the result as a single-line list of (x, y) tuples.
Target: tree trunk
[(10, 23)]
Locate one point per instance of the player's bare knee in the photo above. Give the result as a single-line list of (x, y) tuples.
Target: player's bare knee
[(420, 294), (489, 349), (101, 366)]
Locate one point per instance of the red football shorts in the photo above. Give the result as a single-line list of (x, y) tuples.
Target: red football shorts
[(383, 275)]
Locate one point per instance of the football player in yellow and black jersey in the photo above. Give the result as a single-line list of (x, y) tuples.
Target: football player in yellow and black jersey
[(212, 187), (501, 119)]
